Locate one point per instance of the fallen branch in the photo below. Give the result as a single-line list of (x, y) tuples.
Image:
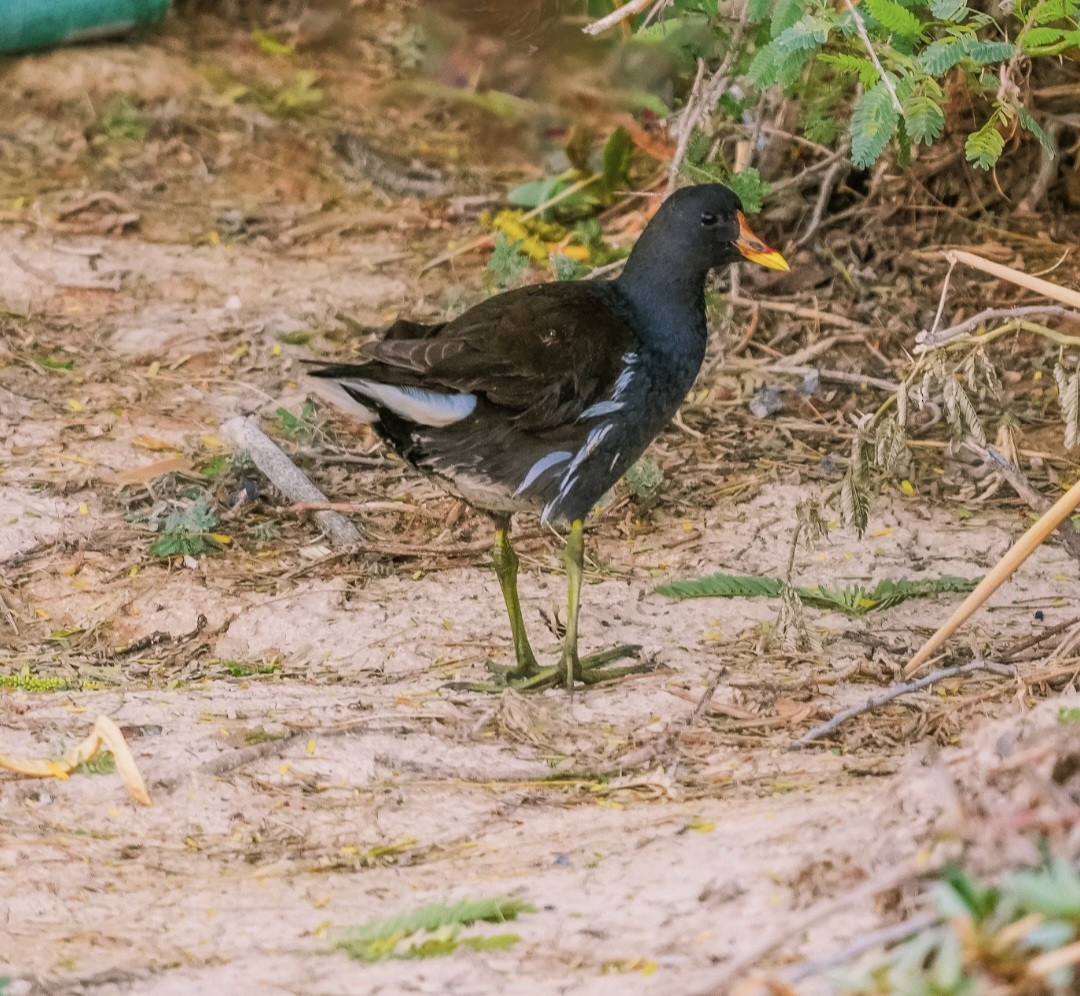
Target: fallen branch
[(1070, 538), (284, 475), (927, 341), (1055, 292), (1002, 571), (1033, 641), (620, 14), (894, 693)]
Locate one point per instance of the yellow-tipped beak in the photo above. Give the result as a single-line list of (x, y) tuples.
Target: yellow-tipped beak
[(755, 250)]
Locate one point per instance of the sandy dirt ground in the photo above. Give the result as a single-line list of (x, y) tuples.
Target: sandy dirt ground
[(298, 712)]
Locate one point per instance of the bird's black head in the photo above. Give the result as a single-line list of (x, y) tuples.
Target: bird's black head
[(697, 229)]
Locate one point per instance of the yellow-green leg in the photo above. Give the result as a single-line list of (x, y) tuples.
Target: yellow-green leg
[(570, 666), (506, 569)]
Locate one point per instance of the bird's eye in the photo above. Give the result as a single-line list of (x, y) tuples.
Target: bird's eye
[(708, 218)]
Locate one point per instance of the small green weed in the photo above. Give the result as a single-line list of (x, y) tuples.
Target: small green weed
[(432, 931)]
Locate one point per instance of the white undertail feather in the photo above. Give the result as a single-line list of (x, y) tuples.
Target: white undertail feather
[(417, 404)]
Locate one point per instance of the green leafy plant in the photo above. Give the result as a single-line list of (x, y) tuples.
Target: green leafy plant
[(433, 930), (300, 428), (853, 600), (882, 66), (987, 938), (121, 119), (507, 263), (644, 478), (189, 531)]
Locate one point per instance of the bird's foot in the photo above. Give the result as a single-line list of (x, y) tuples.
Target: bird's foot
[(589, 670)]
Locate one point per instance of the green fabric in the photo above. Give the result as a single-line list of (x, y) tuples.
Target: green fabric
[(32, 24)]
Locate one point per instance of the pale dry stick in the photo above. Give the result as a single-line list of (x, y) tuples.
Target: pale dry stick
[(836, 376), (927, 341), (894, 693), (1016, 479), (619, 15), (1055, 292), (798, 310), (1048, 167), (706, 100), (1023, 548), (724, 981), (942, 299), (879, 938), (828, 184), (860, 26), (287, 478)]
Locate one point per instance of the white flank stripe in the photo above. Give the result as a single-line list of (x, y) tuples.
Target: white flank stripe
[(541, 465), (415, 403), (613, 404)]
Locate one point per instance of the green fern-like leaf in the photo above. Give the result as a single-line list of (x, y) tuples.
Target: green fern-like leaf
[(785, 14), (863, 68), (1029, 123), (894, 18), (722, 586), (873, 123), (758, 10), (940, 56), (1037, 37), (752, 190), (923, 115), (783, 58), (950, 10), (427, 931), (984, 147), (985, 52)]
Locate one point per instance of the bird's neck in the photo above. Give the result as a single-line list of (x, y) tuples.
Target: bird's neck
[(670, 300)]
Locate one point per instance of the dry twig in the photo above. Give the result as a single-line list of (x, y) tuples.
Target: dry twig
[(284, 475), (927, 341), (1066, 295), (1002, 571), (1070, 538), (620, 14), (894, 693)]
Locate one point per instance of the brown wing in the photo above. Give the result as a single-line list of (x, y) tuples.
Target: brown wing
[(545, 352)]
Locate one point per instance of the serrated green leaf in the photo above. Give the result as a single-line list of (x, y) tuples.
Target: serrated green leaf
[(722, 586), (984, 52), (785, 14), (950, 10), (940, 56), (758, 10), (751, 189), (984, 147), (862, 67), (1036, 37), (894, 18), (873, 123), (430, 930), (924, 118), (783, 58), (1030, 124)]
